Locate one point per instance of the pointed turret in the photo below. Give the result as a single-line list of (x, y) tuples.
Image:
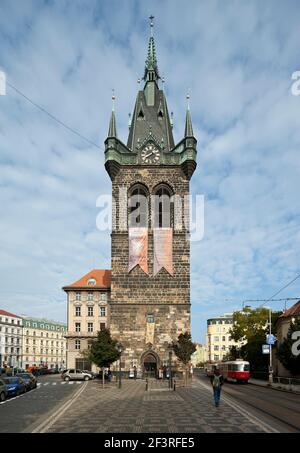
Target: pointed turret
[(188, 131), (150, 119), (151, 73), (112, 130)]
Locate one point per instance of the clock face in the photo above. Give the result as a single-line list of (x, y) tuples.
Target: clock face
[(150, 154)]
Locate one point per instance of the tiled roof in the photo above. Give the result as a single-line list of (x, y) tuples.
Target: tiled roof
[(7, 313), (102, 279), (292, 311)]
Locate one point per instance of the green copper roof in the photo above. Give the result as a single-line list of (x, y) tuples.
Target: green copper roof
[(112, 131), (188, 131), (151, 68)]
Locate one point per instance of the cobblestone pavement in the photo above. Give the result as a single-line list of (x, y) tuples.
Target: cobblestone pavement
[(133, 410)]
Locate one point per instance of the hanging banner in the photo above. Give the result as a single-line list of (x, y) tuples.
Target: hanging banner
[(138, 248), (163, 249)]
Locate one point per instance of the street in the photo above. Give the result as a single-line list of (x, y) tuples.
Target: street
[(16, 414), (86, 407)]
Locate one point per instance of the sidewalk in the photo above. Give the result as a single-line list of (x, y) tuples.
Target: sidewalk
[(132, 409), (276, 386)]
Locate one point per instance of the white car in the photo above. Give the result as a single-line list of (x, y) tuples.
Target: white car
[(74, 375)]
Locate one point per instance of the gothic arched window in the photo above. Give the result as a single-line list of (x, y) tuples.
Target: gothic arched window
[(163, 207), (138, 207)]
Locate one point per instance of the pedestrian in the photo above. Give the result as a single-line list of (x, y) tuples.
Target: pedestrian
[(217, 381), (134, 372)]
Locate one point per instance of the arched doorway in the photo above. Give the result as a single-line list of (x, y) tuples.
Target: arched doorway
[(150, 365)]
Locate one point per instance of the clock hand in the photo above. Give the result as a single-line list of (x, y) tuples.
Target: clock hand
[(149, 154)]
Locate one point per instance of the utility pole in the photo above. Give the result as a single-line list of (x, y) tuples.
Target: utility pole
[(270, 346)]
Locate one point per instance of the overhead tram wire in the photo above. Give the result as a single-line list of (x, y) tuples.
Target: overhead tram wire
[(70, 129)]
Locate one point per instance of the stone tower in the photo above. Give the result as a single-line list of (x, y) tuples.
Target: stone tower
[(150, 249)]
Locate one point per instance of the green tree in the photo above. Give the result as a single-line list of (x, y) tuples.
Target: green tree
[(250, 326), (103, 351), (233, 354), (285, 354), (184, 348)]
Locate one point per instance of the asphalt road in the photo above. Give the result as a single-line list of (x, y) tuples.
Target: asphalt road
[(17, 414), (279, 408)]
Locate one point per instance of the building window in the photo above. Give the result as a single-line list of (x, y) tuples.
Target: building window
[(103, 296), (78, 295), (90, 295), (216, 348), (102, 325), (216, 358), (77, 311), (163, 208), (150, 318), (77, 326), (42, 334), (90, 327), (102, 311), (77, 344), (90, 311), (138, 208), (223, 338), (34, 333), (91, 282), (216, 338)]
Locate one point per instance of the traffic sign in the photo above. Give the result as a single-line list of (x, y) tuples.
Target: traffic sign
[(271, 339), (266, 349)]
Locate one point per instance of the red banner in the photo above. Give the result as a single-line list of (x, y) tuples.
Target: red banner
[(163, 249), (138, 248)]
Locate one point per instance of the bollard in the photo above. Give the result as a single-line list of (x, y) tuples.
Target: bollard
[(174, 387), (146, 385)]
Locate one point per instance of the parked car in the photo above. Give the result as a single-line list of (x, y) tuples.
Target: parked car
[(30, 380), (90, 373), (14, 385), (72, 375), (3, 390)]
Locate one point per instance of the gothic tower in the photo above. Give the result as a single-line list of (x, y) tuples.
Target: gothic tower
[(150, 248)]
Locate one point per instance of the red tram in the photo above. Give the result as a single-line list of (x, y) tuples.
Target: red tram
[(235, 371)]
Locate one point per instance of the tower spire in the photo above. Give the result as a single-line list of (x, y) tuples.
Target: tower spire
[(112, 130), (151, 69), (188, 132)]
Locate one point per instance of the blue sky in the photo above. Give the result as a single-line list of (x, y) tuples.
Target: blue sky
[(235, 57)]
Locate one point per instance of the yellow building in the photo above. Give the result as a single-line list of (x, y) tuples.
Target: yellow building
[(200, 355), (218, 338), (88, 312), (44, 343)]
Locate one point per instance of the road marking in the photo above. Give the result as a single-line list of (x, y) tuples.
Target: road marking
[(71, 382), (46, 383), (53, 383), (44, 426), (252, 418)]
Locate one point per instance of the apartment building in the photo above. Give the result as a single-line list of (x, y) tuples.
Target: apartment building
[(88, 312), (10, 340), (218, 338)]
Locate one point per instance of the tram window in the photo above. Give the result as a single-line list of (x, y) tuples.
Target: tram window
[(246, 367)]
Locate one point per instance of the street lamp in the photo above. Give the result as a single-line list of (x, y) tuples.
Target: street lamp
[(120, 349)]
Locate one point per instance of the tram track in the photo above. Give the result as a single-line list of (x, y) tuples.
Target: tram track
[(283, 408)]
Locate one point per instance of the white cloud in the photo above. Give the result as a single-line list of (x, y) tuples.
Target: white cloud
[(236, 58)]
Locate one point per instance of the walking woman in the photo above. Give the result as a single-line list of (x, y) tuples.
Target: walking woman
[(217, 381)]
